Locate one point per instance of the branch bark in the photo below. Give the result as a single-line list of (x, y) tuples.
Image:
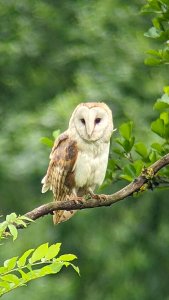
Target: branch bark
[(101, 200)]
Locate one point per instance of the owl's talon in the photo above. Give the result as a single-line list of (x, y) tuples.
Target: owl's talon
[(103, 197), (93, 196), (76, 199), (99, 197)]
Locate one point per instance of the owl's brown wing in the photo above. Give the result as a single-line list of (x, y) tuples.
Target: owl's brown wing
[(60, 173)]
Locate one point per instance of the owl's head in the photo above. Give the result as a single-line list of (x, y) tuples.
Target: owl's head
[(92, 121)]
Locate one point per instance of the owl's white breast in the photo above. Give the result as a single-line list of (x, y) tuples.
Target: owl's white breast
[(91, 164)]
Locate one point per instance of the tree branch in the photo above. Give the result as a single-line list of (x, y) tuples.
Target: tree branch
[(101, 200)]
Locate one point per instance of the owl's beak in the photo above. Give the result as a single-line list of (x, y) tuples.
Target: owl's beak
[(89, 132), (89, 136)]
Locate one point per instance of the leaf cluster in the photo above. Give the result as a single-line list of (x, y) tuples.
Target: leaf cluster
[(33, 263), (137, 153), (159, 31), (50, 141), (8, 227), (130, 156)]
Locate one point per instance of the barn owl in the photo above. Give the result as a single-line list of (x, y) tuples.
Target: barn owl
[(78, 160)]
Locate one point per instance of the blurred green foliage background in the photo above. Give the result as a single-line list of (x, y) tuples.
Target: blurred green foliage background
[(54, 55)]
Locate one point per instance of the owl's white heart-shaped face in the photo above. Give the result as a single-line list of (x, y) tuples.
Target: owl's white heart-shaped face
[(92, 123)]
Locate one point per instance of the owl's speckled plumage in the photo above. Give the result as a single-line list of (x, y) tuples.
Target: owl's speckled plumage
[(79, 157)]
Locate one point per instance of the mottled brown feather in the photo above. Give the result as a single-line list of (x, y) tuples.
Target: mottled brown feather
[(60, 174)]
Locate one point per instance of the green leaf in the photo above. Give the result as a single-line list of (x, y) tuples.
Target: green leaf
[(120, 141), (56, 133), (29, 266), (13, 231), (126, 177), (5, 285), (166, 90), (118, 151), (25, 218), (155, 53), (11, 263), (39, 253), (56, 266), (47, 141), (151, 6), (156, 23), (25, 276), (111, 165), (158, 127), (126, 144), (67, 257), (166, 57), (34, 274), (141, 149), (153, 156), (165, 117), (166, 132), (11, 218), (46, 270), (152, 61), (11, 278), (21, 222), (129, 172), (162, 103), (126, 130), (52, 269), (158, 147), (3, 270), (53, 250), (138, 165), (22, 260), (76, 269), (153, 32)]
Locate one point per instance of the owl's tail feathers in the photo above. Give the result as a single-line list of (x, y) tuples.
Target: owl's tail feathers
[(59, 215), (62, 216)]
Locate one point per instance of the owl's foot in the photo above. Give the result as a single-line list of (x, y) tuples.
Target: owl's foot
[(98, 197), (102, 197), (75, 199)]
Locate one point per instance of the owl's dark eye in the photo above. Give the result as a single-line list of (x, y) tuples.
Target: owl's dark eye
[(83, 121), (97, 120)]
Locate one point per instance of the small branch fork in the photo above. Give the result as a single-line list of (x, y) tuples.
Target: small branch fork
[(102, 200)]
